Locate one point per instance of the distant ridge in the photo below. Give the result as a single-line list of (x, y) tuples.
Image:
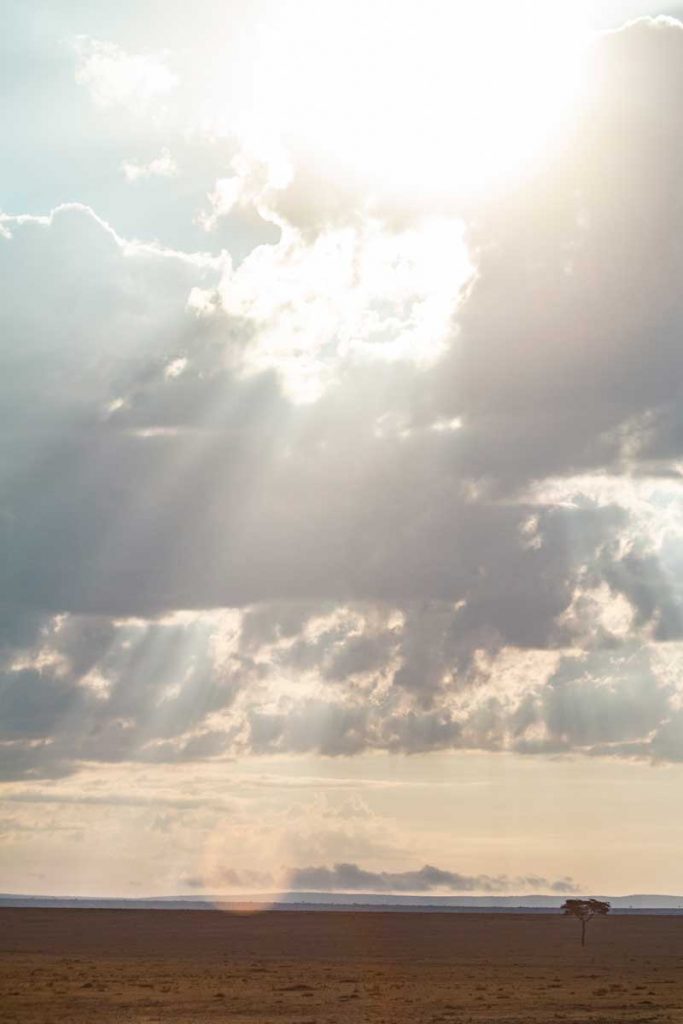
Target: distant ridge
[(636, 903)]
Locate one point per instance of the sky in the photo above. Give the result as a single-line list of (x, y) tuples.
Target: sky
[(341, 450)]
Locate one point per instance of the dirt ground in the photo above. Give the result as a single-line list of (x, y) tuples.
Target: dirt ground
[(190, 967)]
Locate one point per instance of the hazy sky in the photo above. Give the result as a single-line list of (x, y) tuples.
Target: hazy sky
[(340, 485)]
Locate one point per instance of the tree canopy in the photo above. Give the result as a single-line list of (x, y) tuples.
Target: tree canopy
[(584, 910)]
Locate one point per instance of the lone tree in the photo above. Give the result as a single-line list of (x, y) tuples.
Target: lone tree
[(584, 910)]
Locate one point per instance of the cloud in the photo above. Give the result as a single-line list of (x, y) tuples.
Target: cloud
[(117, 78), (373, 486), (199, 687), (232, 879), (162, 166), (567, 355), (350, 878), (140, 423)]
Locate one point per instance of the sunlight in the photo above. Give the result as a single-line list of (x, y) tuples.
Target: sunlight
[(341, 511), (436, 96)]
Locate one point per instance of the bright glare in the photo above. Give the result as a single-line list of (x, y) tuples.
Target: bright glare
[(431, 95)]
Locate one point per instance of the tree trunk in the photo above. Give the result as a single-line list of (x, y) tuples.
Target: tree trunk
[(583, 933)]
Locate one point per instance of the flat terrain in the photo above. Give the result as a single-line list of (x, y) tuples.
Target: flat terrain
[(190, 967)]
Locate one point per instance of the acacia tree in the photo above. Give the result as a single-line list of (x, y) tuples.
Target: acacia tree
[(584, 910)]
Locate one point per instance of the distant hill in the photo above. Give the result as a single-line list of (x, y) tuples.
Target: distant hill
[(636, 903)]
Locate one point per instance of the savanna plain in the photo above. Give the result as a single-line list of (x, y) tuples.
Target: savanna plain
[(76, 965)]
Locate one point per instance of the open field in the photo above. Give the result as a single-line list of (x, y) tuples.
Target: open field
[(190, 967)]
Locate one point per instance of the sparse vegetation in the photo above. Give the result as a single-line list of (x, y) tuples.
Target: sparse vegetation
[(584, 911)]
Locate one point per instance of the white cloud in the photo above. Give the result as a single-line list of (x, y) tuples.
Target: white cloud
[(350, 296), (390, 469), (162, 166), (117, 78)]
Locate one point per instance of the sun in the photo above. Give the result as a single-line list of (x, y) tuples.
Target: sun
[(432, 96)]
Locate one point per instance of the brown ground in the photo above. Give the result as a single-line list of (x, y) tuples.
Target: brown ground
[(191, 967)]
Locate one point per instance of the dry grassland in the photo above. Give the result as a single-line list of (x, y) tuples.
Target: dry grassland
[(191, 967)]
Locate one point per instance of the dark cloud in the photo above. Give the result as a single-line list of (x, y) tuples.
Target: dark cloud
[(604, 699), (567, 355), (106, 693), (146, 467), (34, 705), (350, 877)]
